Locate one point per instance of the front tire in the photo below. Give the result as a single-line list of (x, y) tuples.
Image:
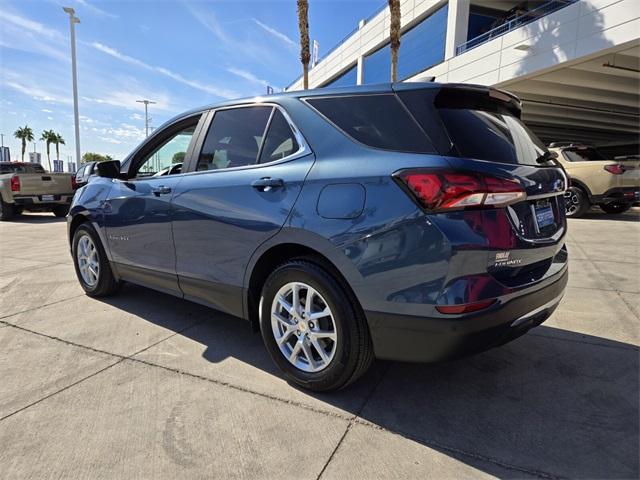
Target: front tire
[(91, 263), (615, 207), (576, 202), (312, 329)]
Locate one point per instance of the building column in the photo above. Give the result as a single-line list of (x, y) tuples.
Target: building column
[(457, 26)]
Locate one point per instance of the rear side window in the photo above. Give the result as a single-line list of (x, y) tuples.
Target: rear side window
[(378, 121), (234, 138), (280, 141), (582, 154)]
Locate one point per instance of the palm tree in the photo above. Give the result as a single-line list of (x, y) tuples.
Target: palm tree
[(49, 136), (394, 37), (26, 135), (58, 141), (303, 26)]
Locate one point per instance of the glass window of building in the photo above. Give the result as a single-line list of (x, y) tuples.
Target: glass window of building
[(348, 78), (420, 48)]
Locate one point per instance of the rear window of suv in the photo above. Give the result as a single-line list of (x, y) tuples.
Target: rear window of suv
[(471, 124), (378, 121), (582, 154)]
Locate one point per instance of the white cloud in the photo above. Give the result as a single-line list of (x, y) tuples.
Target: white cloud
[(212, 89), (36, 93), (27, 24), (94, 9), (247, 76), (46, 111), (25, 35), (279, 35), (136, 116)]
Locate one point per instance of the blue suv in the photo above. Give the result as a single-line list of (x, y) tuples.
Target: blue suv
[(413, 222)]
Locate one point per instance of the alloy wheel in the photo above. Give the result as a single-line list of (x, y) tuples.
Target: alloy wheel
[(572, 201), (88, 260), (303, 327)]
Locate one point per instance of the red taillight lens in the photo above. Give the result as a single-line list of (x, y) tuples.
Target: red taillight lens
[(465, 308), (614, 168), (15, 184), (74, 182), (446, 190)]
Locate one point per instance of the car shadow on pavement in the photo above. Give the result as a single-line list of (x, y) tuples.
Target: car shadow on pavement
[(553, 403), (35, 218), (632, 215)]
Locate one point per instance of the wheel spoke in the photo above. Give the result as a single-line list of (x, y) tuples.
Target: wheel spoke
[(309, 301), (308, 355), (319, 349), (286, 305), (323, 334), (295, 352), (316, 315), (295, 300), (280, 319), (285, 336)]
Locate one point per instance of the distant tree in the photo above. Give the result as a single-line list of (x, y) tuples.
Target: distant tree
[(95, 157), (394, 38), (49, 137), (303, 26), (25, 134), (58, 141), (178, 157)]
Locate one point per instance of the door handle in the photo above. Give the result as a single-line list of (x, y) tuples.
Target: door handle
[(161, 190), (266, 184)]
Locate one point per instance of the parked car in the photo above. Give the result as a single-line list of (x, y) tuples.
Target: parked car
[(84, 173), (27, 186), (611, 184), (413, 222)]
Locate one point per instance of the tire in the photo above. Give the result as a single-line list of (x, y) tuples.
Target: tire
[(615, 207), (576, 202), (104, 283), (7, 211), (347, 355), (60, 210)]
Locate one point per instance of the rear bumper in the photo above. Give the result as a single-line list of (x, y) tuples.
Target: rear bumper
[(420, 339), (618, 194), (38, 202)]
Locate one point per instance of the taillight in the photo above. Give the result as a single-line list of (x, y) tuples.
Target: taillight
[(450, 190), (15, 183), (74, 182), (615, 168)]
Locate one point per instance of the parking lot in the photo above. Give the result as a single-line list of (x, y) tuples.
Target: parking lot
[(143, 385)]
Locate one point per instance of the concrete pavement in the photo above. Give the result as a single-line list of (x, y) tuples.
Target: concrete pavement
[(143, 385)]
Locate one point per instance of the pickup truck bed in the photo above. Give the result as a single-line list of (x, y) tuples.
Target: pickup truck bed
[(27, 186)]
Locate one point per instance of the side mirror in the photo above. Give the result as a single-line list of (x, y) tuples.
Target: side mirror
[(108, 169)]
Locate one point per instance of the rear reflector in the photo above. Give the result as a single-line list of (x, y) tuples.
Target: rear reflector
[(465, 308), (74, 182), (615, 169), (450, 190), (15, 183)]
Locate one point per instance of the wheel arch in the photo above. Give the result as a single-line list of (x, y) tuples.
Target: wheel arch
[(580, 184), (282, 249)]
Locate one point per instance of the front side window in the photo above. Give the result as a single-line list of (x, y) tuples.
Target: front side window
[(168, 157), (280, 141), (234, 138), (378, 121)]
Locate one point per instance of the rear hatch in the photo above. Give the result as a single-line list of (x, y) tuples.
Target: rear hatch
[(520, 221)]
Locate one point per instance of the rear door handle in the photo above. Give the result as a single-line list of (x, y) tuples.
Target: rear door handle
[(161, 190), (267, 184)]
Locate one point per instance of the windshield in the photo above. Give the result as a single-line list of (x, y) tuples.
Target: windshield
[(582, 154)]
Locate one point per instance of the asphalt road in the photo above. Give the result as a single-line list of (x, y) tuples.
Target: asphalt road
[(143, 385)]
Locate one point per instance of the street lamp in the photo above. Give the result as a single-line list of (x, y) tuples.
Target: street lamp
[(72, 24), (146, 115)]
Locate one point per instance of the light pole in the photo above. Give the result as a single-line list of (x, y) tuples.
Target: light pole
[(72, 24), (146, 115)]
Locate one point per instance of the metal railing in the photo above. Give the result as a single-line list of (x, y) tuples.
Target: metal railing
[(516, 22)]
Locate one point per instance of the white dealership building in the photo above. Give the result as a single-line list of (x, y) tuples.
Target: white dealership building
[(575, 64)]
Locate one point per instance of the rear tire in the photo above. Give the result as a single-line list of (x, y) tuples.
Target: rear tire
[(91, 263), (7, 211), (332, 323), (576, 202), (60, 210), (615, 207)]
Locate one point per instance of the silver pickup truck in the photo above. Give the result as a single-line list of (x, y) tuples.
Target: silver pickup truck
[(28, 186)]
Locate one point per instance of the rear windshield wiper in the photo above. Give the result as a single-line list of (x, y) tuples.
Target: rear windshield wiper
[(547, 156)]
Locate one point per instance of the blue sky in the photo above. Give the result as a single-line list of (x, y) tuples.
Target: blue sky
[(180, 54)]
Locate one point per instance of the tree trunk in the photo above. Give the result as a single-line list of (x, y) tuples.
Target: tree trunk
[(303, 26), (24, 147), (57, 151), (394, 36), (49, 156)]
